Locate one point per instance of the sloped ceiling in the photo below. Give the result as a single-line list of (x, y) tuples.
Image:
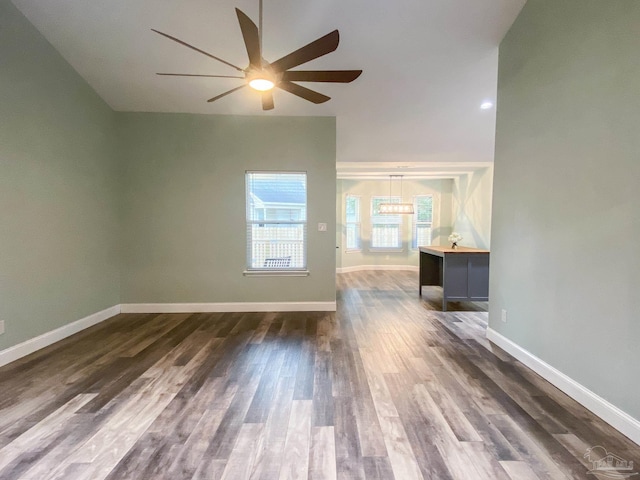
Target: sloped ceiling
[(428, 65)]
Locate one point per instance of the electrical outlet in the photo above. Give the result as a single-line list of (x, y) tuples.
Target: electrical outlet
[(504, 316), (1, 327)]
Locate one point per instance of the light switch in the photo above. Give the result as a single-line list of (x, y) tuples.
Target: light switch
[(322, 227)]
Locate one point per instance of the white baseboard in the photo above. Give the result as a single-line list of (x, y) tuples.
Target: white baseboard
[(359, 268), (618, 419), (228, 307), (29, 346)]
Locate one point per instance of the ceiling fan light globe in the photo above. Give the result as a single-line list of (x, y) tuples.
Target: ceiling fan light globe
[(261, 84)]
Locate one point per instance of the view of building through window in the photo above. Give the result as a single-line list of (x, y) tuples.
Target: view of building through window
[(276, 220)]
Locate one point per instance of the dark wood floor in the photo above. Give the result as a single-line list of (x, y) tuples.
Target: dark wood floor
[(386, 387)]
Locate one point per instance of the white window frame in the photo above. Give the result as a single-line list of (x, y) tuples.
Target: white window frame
[(356, 225), (277, 268), (416, 223), (385, 220)]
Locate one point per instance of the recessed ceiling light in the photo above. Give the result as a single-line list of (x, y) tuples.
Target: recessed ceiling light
[(486, 105)]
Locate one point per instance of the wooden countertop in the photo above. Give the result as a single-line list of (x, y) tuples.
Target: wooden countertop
[(440, 251)]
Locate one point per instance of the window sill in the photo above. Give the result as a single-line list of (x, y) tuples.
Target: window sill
[(386, 250), (276, 273), (353, 250)]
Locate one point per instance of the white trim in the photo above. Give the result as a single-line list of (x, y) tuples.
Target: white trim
[(618, 419), (359, 268), (385, 250), (275, 273), (410, 170), (228, 307), (27, 347)]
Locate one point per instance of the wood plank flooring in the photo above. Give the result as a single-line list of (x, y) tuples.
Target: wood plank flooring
[(385, 388)]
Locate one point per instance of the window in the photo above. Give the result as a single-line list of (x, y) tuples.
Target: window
[(385, 228), (352, 221), (276, 221), (422, 220)]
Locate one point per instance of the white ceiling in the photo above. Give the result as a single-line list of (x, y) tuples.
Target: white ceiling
[(428, 64)]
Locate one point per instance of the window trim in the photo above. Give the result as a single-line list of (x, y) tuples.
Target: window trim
[(278, 271)]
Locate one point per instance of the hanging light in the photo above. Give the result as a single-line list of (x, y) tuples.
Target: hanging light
[(395, 208)]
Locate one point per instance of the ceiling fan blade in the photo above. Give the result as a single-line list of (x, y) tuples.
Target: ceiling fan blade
[(338, 76), (197, 49), (197, 75), (267, 100), (303, 92), (251, 39), (315, 49), (217, 97)]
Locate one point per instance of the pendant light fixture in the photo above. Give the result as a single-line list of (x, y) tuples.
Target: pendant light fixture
[(395, 208)]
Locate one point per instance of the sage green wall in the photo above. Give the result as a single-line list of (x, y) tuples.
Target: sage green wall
[(565, 262), (472, 207), (58, 188), (442, 218), (184, 224)]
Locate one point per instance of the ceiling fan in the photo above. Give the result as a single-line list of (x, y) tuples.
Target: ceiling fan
[(264, 76)]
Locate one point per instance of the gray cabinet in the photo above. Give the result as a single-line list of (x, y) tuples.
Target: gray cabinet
[(463, 273)]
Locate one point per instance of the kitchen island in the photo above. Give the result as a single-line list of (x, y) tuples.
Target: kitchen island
[(462, 272)]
